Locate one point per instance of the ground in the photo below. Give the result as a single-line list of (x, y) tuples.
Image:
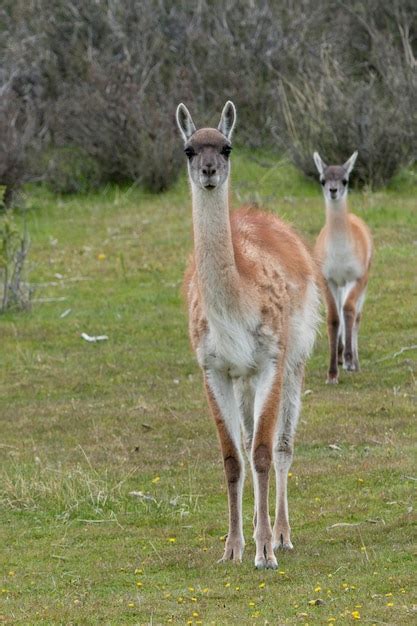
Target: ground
[(113, 502)]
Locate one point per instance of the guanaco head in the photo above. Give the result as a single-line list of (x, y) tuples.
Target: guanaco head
[(334, 178), (207, 149)]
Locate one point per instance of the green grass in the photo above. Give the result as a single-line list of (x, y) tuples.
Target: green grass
[(84, 425)]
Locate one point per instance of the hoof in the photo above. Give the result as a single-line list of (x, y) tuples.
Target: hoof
[(233, 551), (283, 544), (332, 379), (264, 563)]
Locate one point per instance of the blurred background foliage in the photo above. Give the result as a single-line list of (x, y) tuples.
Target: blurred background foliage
[(88, 90)]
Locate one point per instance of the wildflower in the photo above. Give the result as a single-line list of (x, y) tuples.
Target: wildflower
[(205, 549), (390, 604), (281, 572), (237, 588), (317, 589), (195, 614), (227, 584), (356, 615), (193, 599), (101, 256), (387, 595), (360, 480), (12, 573), (139, 584), (289, 474), (130, 605), (251, 604), (155, 480), (205, 590), (180, 600), (172, 539), (191, 589), (261, 585), (138, 571)]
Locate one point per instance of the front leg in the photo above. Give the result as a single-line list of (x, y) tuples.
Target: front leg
[(225, 411), (267, 403), (333, 323)]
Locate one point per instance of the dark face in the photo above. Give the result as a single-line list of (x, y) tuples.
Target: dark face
[(334, 180), (208, 152)]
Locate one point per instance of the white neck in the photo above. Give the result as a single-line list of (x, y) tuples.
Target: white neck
[(215, 259)]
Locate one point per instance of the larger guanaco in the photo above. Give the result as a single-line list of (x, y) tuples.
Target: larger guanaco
[(252, 294), (343, 251)]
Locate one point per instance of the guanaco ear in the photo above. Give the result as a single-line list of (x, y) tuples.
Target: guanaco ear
[(321, 165), (185, 122), (348, 166), (227, 120)]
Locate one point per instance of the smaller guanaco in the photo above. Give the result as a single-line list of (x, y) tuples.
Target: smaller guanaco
[(343, 251)]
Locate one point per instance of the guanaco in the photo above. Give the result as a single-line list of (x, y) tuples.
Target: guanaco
[(344, 251), (252, 292)]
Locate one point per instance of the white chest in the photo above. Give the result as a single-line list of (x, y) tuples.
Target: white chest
[(340, 264), (234, 346)]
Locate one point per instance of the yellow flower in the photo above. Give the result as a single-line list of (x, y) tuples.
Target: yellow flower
[(289, 474), (387, 595), (12, 573), (237, 588), (261, 585), (317, 589), (172, 539), (360, 480), (390, 603), (138, 571), (193, 599), (180, 600), (195, 614), (205, 549), (205, 590), (356, 615), (101, 256), (251, 604), (130, 605), (190, 588), (227, 584), (139, 584), (156, 480), (281, 572)]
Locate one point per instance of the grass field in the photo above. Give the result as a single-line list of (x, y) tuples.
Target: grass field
[(85, 425)]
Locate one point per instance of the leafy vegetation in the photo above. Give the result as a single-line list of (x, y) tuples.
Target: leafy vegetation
[(113, 503)]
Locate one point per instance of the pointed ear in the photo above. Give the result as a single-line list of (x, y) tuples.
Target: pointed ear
[(321, 165), (185, 122), (348, 166), (227, 120)]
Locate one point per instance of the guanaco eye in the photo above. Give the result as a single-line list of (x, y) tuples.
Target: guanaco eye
[(189, 152), (226, 150), (344, 181)]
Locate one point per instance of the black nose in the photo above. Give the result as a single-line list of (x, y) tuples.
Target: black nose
[(208, 169), (333, 191)]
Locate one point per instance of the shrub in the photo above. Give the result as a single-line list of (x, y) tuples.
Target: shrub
[(14, 248)]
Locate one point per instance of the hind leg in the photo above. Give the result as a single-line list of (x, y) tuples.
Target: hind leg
[(283, 453)]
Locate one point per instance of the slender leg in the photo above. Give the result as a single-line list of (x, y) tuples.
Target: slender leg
[(267, 401), (333, 333), (226, 415), (352, 315), (287, 424), (245, 397)]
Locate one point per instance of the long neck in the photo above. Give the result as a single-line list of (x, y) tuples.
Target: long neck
[(337, 217), (215, 260)]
